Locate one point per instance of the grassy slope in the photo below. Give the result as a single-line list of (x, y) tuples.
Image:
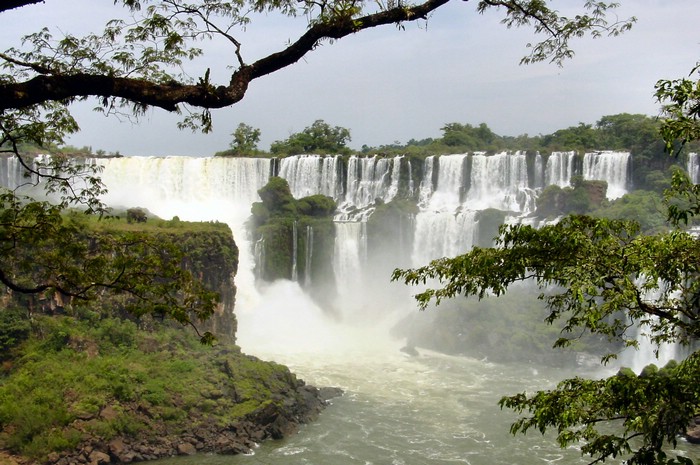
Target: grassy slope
[(87, 375)]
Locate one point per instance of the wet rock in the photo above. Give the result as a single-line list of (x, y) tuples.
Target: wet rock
[(96, 458), (692, 434), (186, 448), (409, 350), (328, 393)]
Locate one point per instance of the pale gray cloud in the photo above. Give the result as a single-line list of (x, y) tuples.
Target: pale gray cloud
[(388, 84)]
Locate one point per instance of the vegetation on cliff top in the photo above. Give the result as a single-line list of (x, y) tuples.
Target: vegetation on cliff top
[(274, 221), (87, 377)]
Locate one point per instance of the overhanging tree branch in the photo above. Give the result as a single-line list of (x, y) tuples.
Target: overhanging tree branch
[(65, 87), (12, 4)]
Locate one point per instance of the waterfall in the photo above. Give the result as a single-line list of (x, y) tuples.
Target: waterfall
[(154, 182), (539, 181), (450, 184), (441, 228), (295, 246), (442, 234), (12, 173), (647, 352), (195, 189), (559, 169), (308, 256), (395, 179), (348, 260), (259, 254), (451, 192), (500, 181), (370, 178), (311, 174), (694, 168), (426, 184), (608, 166)]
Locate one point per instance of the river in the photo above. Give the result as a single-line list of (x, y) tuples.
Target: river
[(397, 409)]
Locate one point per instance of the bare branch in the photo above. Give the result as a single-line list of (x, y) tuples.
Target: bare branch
[(168, 96)]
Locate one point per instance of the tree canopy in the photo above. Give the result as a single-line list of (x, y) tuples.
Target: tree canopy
[(320, 137)]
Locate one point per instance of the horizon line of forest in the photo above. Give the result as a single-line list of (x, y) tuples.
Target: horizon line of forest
[(637, 133)]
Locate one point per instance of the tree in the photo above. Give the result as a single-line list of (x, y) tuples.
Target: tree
[(681, 111), (320, 137), (582, 137), (468, 136), (245, 140), (602, 276)]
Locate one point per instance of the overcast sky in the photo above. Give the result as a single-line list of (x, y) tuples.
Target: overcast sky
[(389, 85)]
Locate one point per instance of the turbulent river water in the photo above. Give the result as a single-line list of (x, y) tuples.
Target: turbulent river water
[(397, 409)]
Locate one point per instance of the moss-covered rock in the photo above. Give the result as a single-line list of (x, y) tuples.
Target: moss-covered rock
[(84, 383), (489, 222), (295, 238), (390, 231)]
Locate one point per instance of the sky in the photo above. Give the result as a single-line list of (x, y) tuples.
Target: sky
[(390, 85)]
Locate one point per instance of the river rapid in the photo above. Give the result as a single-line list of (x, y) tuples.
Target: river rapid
[(397, 409)]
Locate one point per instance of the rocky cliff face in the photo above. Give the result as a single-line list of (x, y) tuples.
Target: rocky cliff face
[(126, 395), (212, 257)]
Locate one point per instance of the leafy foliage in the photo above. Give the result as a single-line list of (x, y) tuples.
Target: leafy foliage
[(245, 141), (651, 408), (48, 253), (320, 137), (681, 110), (558, 29), (600, 276)]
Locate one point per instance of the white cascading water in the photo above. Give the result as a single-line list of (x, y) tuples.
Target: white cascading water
[(368, 179), (348, 263), (608, 166), (309, 254), (694, 167), (311, 174), (11, 172), (559, 169), (539, 180), (442, 227), (648, 352), (442, 234), (499, 181), (425, 189), (295, 250)]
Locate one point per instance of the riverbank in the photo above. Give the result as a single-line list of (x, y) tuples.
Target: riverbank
[(102, 391), (300, 405)]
